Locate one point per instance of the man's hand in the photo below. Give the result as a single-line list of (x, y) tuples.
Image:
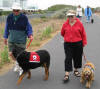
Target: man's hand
[(5, 41), (31, 37)]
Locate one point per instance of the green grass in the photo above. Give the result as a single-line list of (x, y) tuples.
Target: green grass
[(4, 56), (59, 7), (2, 32), (46, 33), (35, 43), (4, 12)]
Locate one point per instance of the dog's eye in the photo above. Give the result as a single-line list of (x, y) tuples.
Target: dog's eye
[(34, 57)]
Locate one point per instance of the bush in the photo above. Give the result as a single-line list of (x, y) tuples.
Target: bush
[(61, 16), (56, 7), (43, 16), (4, 56), (5, 12), (46, 33)]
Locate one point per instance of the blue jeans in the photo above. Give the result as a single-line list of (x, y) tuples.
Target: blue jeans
[(88, 18)]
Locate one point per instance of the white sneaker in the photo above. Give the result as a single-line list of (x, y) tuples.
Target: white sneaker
[(20, 71), (16, 67)]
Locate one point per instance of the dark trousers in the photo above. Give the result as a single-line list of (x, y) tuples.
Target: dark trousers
[(73, 51)]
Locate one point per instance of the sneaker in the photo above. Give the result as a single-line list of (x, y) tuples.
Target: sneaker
[(16, 67), (20, 71)]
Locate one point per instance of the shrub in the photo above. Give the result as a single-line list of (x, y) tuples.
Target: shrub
[(46, 33), (4, 56), (5, 12), (43, 16)]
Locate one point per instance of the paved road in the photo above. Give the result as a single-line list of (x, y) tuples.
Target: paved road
[(55, 47)]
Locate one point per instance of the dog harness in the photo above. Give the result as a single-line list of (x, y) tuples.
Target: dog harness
[(88, 66), (34, 57)]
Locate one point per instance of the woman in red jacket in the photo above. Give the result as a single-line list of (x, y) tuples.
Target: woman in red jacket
[(74, 40)]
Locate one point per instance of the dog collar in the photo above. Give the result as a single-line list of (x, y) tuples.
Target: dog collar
[(88, 66)]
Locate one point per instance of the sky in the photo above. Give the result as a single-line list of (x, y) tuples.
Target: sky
[(44, 4)]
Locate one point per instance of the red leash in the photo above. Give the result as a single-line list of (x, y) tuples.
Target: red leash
[(29, 44)]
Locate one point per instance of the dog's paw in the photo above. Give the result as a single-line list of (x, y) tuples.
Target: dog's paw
[(93, 79), (18, 82), (82, 81), (88, 85), (46, 78), (29, 77)]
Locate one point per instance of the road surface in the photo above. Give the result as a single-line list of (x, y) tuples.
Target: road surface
[(55, 47)]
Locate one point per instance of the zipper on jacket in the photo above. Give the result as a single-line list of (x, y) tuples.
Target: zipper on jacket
[(71, 34)]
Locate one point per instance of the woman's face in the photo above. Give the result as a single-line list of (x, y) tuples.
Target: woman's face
[(16, 12), (71, 18)]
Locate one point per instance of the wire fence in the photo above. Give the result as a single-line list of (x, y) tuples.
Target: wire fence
[(3, 19), (49, 14)]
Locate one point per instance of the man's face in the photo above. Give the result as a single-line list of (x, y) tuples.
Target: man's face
[(71, 18), (16, 12)]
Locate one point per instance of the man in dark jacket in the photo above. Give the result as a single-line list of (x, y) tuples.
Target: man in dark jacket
[(17, 30)]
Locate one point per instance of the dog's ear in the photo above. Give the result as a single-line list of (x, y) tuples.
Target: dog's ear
[(83, 70), (82, 73), (14, 52), (91, 75)]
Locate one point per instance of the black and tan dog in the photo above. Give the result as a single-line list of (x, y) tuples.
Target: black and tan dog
[(31, 60), (87, 74)]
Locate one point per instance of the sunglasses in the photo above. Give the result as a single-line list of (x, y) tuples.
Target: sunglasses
[(70, 16), (16, 10)]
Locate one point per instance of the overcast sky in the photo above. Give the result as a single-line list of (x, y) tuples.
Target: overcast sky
[(43, 4)]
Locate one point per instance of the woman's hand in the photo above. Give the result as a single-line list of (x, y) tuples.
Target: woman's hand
[(5, 41)]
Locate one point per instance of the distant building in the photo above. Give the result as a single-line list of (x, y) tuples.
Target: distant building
[(7, 4)]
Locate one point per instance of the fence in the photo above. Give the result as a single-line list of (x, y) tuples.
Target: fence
[(49, 14), (2, 19)]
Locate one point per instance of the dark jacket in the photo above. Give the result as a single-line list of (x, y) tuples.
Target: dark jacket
[(17, 31)]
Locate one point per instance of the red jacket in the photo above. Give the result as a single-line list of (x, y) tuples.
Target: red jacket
[(74, 33)]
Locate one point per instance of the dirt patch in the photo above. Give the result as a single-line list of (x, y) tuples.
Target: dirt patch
[(98, 14), (5, 68)]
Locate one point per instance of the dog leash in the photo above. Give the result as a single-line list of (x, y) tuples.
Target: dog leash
[(29, 44), (84, 57)]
